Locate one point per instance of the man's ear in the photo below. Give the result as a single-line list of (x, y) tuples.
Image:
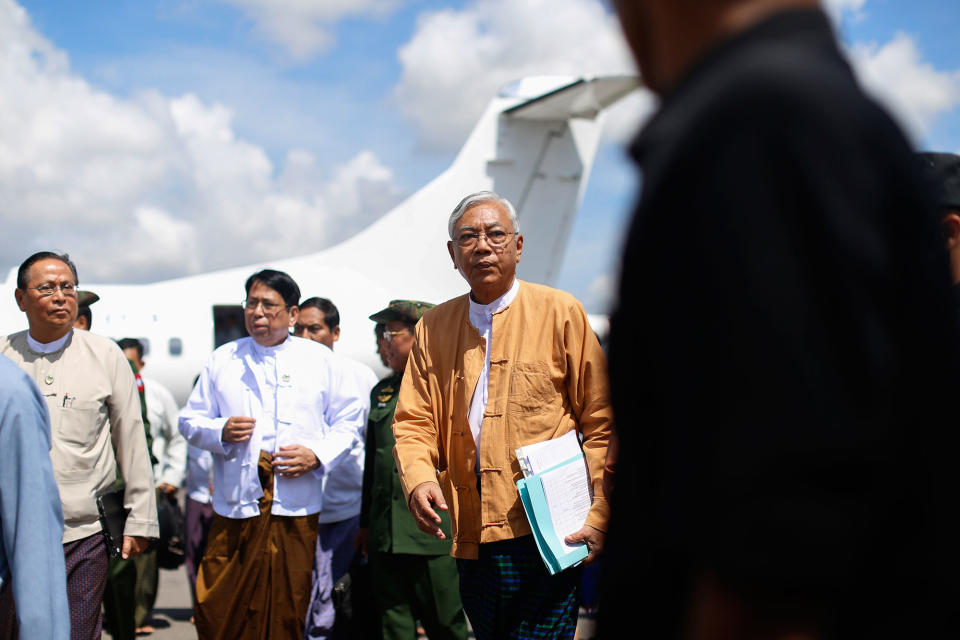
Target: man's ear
[(452, 255), (294, 314), (18, 294), (951, 227), (519, 246), (336, 333)]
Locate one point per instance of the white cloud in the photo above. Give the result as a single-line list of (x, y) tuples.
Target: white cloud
[(911, 87), (151, 186), (844, 5), (458, 59), (302, 28)]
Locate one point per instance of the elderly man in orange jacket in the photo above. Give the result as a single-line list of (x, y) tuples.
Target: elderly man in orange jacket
[(509, 364)]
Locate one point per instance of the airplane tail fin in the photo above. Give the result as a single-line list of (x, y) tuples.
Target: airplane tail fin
[(545, 148), (534, 145)]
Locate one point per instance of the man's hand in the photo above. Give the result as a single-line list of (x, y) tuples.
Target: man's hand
[(594, 539), (292, 461), (133, 546), (238, 429), (168, 489), (423, 498), (360, 540)]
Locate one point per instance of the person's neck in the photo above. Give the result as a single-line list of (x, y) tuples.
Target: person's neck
[(488, 295), (270, 342), (684, 37), (46, 335)]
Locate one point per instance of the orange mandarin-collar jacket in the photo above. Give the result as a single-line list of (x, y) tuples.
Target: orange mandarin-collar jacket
[(548, 376)]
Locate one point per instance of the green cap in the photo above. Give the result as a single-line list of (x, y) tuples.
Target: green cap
[(403, 310), (86, 298)]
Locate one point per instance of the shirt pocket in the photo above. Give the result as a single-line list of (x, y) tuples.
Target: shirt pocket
[(531, 389), (80, 422)]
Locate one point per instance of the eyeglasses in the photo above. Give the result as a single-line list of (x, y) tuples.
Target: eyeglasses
[(269, 308), (48, 289), (389, 335), (496, 238)]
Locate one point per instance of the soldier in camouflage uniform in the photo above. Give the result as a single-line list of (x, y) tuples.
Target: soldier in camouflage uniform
[(414, 577)]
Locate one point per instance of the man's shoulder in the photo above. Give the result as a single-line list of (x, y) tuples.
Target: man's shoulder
[(16, 340), (444, 311), (229, 350), (769, 83), (93, 341), (543, 297), (13, 380)]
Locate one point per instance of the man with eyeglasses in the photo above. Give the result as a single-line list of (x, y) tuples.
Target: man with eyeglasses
[(277, 412), (319, 320), (412, 572), (96, 425), (507, 365)]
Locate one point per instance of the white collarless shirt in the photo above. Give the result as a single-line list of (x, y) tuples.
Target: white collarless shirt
[(481, 317), (268, 420)]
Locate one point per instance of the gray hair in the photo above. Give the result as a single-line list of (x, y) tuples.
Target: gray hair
[(480, 197)]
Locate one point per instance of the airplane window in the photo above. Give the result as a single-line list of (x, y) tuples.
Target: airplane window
[(175, 346), (146, 345)]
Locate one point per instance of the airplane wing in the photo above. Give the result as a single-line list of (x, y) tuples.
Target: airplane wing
[(582, 98)]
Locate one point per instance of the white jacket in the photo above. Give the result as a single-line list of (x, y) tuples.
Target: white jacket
[(317, 407)]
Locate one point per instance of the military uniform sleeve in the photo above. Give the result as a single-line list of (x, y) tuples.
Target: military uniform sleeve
[(130, 446), (414, 425), (589, 392)]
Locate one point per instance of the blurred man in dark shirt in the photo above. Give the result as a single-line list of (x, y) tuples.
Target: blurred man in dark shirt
[(783, 349)]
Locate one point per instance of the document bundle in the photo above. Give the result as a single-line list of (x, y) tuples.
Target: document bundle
[(556, 496)]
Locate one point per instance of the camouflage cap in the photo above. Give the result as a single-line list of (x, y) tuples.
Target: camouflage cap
[(402, 310), (86, 298)]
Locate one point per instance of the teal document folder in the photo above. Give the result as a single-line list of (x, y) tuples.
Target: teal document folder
[(556, 555)]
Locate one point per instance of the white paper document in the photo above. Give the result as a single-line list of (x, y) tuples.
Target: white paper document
[(537, 458), (567, 490), (556, 496)]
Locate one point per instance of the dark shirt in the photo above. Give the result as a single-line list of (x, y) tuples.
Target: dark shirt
[(781, 351)]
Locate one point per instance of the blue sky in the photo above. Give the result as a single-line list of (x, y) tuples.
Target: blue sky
[(177, 119)]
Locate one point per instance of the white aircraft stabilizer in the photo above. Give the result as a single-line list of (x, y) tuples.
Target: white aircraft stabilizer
[(535, 145)]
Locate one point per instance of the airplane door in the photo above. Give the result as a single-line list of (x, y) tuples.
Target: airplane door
[(228, 324)]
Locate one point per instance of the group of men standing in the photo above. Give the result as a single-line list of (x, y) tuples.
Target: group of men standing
[(785, 351)]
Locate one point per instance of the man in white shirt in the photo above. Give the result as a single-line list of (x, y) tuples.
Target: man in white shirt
[(319, 320), (278, 413)]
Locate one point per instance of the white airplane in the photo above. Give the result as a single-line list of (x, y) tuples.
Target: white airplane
[(535, 145)]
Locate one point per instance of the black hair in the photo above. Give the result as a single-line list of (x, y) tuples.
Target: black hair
[(279, 282), (131, 343), (331, 315), (378, 329), (24, 270), (83, 311)]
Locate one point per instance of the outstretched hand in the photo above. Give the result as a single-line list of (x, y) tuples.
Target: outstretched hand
[(424, 499)]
